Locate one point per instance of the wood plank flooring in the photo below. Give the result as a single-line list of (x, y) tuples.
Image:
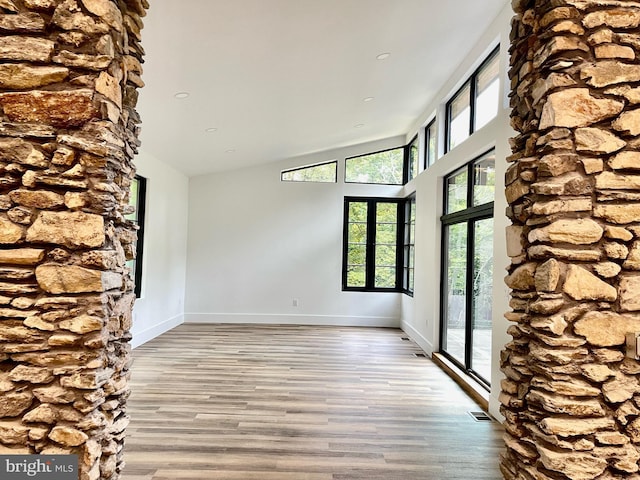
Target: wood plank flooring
[(246, 402)]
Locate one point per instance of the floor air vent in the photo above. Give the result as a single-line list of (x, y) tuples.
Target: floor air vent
[(480, 416), (420, 355)]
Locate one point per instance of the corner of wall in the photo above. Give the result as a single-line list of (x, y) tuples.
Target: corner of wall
[(417, 337), (156, 330)]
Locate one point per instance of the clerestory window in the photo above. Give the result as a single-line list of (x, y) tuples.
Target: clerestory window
[(475, 104), (385, 167), (326, 172)]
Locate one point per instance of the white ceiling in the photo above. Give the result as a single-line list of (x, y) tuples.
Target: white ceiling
[(282, 78)]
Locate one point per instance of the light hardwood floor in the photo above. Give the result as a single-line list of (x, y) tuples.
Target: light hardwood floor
[(240, 402)]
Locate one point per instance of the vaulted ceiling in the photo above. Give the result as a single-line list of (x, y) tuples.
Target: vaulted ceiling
[(272, 79)]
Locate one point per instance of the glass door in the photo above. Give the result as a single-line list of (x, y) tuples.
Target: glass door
[(467, 267)]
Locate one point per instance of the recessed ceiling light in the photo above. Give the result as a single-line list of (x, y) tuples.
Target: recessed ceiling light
[(383, 56), (211, 130), (231, 150), (181, 95), (360, 125), (368, 99)]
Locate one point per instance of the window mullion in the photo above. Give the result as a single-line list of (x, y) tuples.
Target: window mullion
[(405, 163), (370, 274), (470, 181), (345, 243), (400, 244), (472, 103), (447, 129), (406, 245), (485, 210), (469, 298), (425, 158)]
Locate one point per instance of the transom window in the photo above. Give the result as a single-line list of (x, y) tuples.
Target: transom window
[(322, 172), (385, 167), (475, 104)]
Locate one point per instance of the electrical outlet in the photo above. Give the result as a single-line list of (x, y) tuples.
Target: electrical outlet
[(294, 302)]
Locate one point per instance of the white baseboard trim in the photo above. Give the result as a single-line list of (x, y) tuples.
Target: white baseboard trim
[(494, 404), (417, 337), (140, 338), (287, 319)]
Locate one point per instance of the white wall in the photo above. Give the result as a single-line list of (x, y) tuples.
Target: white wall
[(161, 305), (420, 314), (256, 244)]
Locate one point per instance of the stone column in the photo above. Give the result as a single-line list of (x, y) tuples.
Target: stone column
[(69, 70), (571, 398)]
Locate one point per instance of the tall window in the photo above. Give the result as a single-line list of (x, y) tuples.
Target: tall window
[(409, 249), (137, 197), (321, 172), (430, 144), (386, 167), (372, 244), (467, 226), (475, 104), (412, 159)]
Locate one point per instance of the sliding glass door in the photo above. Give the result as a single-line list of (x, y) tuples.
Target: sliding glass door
[(467, 259)]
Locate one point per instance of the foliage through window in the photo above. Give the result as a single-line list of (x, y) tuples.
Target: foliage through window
[(386, 168), (476, 103), (137, 198), (430, 144), (412, 154), (372, 243), (321, 172), (467, 259)]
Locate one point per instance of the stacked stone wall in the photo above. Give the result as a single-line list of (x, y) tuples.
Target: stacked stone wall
[(571, 398), (69, 73)]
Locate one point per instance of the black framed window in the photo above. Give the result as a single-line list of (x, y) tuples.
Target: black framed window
[(385, 167), (459, 117), (409, 248), (137, 199), (475, 104), (372, 252), (412, 159), (326, 172), (395, 166), (467, 267), (430, 152)]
